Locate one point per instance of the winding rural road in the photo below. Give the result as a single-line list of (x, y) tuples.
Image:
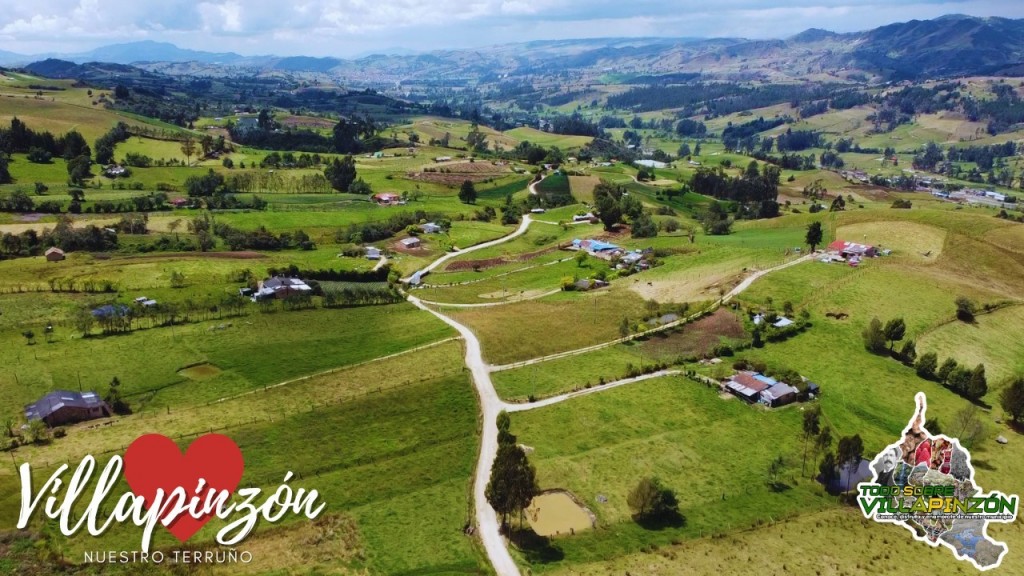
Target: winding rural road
[(519, 232), (491, 404)]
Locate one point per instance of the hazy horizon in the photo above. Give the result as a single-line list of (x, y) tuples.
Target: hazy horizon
[(350, 28)]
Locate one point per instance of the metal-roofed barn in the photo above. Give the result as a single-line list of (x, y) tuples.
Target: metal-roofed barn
[(65, 407)]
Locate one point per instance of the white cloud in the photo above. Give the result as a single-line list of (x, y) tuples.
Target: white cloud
[(323, 27)]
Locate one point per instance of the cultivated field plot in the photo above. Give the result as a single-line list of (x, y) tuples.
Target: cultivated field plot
[(565, 321), (696, 339)]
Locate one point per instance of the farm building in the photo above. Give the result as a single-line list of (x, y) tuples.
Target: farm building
[(386, 198), (411, 242), (372, 253), (780, 322), (596, 248), (111, 311), (779, 394), (64, 407), (853, 249), (430, 228), (584, 217), (651, 163), (54, 254), (280, 287), (748, 385), (754, 387)]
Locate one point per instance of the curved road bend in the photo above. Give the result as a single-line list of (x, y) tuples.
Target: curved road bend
[(518, 232), (491, 404)]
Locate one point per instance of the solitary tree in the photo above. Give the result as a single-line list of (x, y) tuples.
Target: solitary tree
[(967, 426), (814, 235), (341, 173), (650, 500), (467, 192), (624, 327), (965, 309), (188, 148), (114, 399), (504, 422), (1012, 399), (609, 208), (513, 482), (812, 427), (894, 331)]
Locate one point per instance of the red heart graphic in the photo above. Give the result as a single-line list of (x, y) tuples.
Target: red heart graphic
[(153, 462)]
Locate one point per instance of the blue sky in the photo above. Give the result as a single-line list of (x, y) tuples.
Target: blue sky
[(349, 27)]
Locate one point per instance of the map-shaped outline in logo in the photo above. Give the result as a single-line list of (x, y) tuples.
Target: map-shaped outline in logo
[(919, 419)]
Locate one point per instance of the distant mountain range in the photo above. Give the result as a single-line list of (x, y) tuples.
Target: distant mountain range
[(948, 46)]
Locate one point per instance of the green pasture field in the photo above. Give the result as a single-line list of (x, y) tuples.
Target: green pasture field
[(557, 323), (468, 233), (994, 340), (546, 139), (801, 545), (596, 446), (514, 286), (61, 117), (431, 127), (566, 374), (148, 360), (421, 436)]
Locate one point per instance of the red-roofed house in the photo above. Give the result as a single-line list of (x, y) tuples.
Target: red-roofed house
[(848, 249), (386, 198), (747, 386)]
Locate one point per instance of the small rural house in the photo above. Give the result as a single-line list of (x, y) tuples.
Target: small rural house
[(372, 253), (779, 394), (64, 407), (754, 387), (780, 322), (853, 249), (748, 385), (386, 198), (54, 254), (584, 217), (596, 248), (411, 242), (280, 287), (430, 228)]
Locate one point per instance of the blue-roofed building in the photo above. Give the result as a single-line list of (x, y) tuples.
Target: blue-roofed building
[(766, 379), (111, 311), (65, 407)]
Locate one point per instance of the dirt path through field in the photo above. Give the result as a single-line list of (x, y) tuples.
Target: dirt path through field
[(491, 404)]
